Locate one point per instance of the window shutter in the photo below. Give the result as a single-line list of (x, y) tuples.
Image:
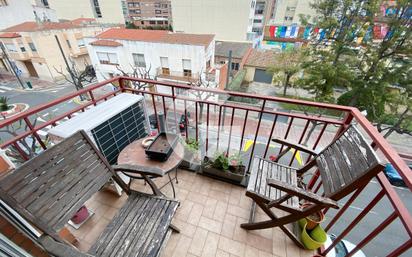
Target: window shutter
[(164, 62), (187, 64)]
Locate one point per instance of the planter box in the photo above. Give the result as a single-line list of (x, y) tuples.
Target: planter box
[(225, 175), (189, 161)]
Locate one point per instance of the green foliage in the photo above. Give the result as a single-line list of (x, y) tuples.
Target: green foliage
[(192, 145), (236, 85), (224, 162), (4, 103)]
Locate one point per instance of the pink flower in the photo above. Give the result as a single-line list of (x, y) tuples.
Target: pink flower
[(272, 158), (233, 162)]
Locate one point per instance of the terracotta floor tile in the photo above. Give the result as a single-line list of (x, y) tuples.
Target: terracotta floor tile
[(221, 253), (211, 245), (184, 210), (197, 198), (251, 251), (211, 225), (185, 228), (195, 214), (210, 207), (96, 230), (220, 211), (198, 241), (182, 246), (218, 195), (231, 246), (171, 245), (238, 211), (259, 242), (228, 228)]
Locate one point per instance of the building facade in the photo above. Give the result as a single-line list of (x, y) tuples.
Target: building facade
[(158, 54), (288, 12), (13, 12), (104, 11), (33, 49), (154, 14)]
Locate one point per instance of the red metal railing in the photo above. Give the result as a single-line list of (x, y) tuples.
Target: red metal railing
[(251, 125)]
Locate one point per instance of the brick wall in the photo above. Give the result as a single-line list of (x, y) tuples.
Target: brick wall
[(8, 230)]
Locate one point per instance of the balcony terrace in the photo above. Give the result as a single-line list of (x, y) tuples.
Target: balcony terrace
[(374, 217)]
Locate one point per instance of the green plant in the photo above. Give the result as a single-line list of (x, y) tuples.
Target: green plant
[(225, 162), (192, 145), (4, 103)]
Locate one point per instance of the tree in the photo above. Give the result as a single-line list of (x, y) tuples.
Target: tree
[(288, 65), (138, 73)]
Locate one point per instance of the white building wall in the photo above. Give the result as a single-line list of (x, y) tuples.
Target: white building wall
[(301, 7), (19, 11), (227, 19), (111, 10)]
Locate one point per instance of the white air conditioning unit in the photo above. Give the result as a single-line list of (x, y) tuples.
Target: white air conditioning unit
[(111, 125)]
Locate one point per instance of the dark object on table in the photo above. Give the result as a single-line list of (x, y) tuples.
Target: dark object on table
[(162, 146)]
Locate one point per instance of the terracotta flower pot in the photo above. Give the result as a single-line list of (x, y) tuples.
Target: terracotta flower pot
[(314, 219)]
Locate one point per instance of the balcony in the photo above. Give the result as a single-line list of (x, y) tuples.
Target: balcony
[(374, 217), (177, 76)]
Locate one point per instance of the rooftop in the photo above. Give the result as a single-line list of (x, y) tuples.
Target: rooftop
[(160, 36), (9, 35), (32, 26), (105, 42), (261, 58), (239, 49)]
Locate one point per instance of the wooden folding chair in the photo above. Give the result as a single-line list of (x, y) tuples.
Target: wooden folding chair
[(346, 164)]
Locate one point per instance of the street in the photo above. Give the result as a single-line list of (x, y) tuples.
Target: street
[(392, 237)]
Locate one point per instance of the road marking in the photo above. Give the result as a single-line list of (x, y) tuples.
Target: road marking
[(42, 133), (397, 187), (54, 91), (1, 91), (69, 102), (361, 209), (55, 110), (46, 114), (40, 119), (6, 88)]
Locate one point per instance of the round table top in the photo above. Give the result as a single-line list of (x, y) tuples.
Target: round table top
[(134, 154)]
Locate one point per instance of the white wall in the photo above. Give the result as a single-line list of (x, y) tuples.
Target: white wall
[(302, 7), (152, 52), (18, 11), (227, 19), (72, 9)]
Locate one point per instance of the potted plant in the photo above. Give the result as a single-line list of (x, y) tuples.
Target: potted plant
[(224, 166), (4, 104), (314, 219), (191, 160)]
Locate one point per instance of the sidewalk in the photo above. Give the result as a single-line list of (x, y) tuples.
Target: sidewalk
[(11, 81)]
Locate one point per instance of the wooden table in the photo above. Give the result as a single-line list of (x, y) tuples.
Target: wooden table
[(134, 154)]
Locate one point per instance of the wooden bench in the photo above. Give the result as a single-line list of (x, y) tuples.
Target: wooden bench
[(49, 189), (347, 164)]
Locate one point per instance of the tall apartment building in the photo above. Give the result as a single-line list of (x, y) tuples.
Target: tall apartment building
[(149, 13), (287, 12), (13, 12), (33, 49), (261, 12), (104, 11)]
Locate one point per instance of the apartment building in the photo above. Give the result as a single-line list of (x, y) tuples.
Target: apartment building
[(261, 13), (160, 54), (33, 49), (13, 12), (149, 13), (104, 11), (288, 12)]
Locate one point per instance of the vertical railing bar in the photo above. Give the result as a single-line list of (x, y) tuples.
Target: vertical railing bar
[(186, 121), (92, 97), (300, 141), (344, 208), (358, 218), (243, 131), (174, 108), (164, 108), (230, 130), (197, 123), (287, 133), (21, 152), (155, 113), (318, 187), (256, 134), (218, 128), (401, 249), (28, 123), (270, 135), (320, 136), (374, 233), (207, 128)]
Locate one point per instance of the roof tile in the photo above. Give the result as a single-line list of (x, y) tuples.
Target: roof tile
[(105, 42)]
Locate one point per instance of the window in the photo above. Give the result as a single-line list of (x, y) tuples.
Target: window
[(45, 3), (152, 22), (157, 5), (160, 22), (133, 5), (288, 18), (32, 47), (259, 12), (80, 42), (135, 11), (257, 21), (10, 47), (68, 43), (22, 48), (158, 11), (164, 62), (97, 11), (3, 3), (252, 4), (187, 68), (235, 66), (165, 11), (164, 5), (290, 9), (139, 60), (107, 58), (166, 22)]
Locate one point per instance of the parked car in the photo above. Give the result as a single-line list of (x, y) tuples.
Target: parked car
[(342, 248), (393, 175), (181, 121)]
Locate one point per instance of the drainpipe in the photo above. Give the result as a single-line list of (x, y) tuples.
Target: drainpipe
[(10, 65), (229, 72)]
